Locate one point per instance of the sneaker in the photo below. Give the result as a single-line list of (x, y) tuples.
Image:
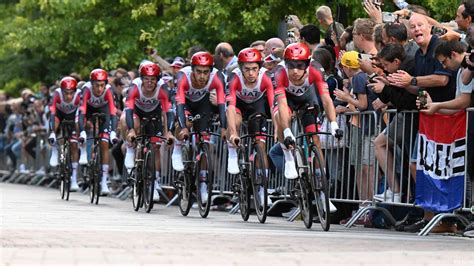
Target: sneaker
[(203, 191), (158, 186), (74, 186), (177, 162), (290, 170), (261, 194), (53, 161), (129, 159), (83, 157), (40, 171), (104, 189), (416, 227), (156, 196), (388, 196), (22, 169), (332, 208), (233, 166), (469, 231)]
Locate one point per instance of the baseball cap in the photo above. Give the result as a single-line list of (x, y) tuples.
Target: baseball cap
[(166, 76), (350, 59), (178, 62)]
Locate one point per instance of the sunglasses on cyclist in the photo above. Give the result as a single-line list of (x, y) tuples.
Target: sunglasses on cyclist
[(301, 65)]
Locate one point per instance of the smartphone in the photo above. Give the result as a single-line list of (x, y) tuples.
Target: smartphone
[(371, 78), (388, 17), (438, 31), (377, 2), (365, 56)]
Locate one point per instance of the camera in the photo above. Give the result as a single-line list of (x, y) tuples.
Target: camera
[(438, 31)]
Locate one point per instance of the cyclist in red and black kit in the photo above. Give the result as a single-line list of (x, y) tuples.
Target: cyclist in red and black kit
[(66, 101), (250, 93), (302, 86), (195, 84), (148, 99), (97, 97)]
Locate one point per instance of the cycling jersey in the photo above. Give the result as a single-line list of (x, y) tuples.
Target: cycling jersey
[(98, 104), (238, 89), (62, 109), (143, 106), (188, 95), (305, 95)]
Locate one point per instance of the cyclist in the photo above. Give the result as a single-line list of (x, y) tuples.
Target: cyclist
[(148, 99), (98, 98), (302, 86), (66, 101), (195, 85), (248, 86)]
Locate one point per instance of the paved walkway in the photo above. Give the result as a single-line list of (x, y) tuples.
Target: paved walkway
[(37, 228)]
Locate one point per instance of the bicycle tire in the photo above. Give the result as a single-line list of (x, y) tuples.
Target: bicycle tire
[(149, 176), (60, 175), (206, 156), (305, 198), (67, 171), (96, 172), (185, 192), (319, 185), (260, 178), (136, 190), (243, 188)]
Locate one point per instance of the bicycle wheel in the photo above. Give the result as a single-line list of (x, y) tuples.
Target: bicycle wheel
[(60, 174), (259, 181), (185, 182), (96, 173), (137, 196), (67, 171), (149, 176), (204, 163), (243, 186), (320, 188), (305, 198)]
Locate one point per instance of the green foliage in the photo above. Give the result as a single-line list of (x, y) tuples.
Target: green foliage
[(42, 40)]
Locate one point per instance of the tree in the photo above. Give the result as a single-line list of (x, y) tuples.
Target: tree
[(42, 40)]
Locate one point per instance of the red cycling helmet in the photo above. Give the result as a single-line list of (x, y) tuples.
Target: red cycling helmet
[(150, 69), (202, 59), (98, 75), (297, 52), (250, 55), (68, 83)]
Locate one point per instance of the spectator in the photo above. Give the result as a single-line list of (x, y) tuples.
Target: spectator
[(464, 15), (361, 133), (324, 16), (428, 74), (397, 33), (311, 35), (393, 58), (226, 55), (259, 45), (272, 44)]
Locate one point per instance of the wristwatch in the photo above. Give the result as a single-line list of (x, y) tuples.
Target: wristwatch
[(413, 81)]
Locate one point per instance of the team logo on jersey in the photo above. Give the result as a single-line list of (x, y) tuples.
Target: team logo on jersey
[(297, 90), (250, 94), (96, 101), (195, 94)]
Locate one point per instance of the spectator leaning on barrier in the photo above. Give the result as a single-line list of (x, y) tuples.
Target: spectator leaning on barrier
[(361, 137), (397, 33), (393, 58), (430, 75)]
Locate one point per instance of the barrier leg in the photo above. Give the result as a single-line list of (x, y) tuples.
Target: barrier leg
[(172, 201)]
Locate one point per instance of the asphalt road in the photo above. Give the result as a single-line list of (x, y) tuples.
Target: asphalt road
[(38, 228)]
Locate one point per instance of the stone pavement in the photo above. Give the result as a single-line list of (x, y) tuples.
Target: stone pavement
[(38, 228)]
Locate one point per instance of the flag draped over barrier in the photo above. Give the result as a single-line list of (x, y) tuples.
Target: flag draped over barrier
[(440, 168)]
